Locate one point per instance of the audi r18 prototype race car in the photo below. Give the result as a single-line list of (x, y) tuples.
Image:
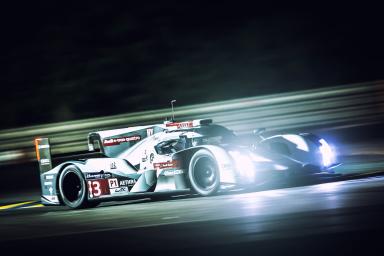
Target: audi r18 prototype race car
[(174, 156)]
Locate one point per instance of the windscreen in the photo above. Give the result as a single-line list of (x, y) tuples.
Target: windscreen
[(215, 134)]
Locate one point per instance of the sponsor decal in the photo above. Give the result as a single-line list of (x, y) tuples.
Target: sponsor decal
[(172, 172), (118, 141), (119, 191), (188, 124), (165, 165), (51, 198), (144, 157), (97, 188), (45, 161), (113, 165), (49, 177), (48, 183), (43, 146), (149, 132), (97, 175), (113, 183), (128, 182)]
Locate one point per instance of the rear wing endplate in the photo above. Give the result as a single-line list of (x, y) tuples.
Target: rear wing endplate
[(43, 154)]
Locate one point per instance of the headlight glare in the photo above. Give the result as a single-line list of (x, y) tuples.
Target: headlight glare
[(244, 164), (327, 153)]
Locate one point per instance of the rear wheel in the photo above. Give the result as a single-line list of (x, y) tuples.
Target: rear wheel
[(73, 189), (203, 173)]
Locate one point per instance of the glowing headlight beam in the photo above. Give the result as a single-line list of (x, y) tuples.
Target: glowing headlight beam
[(244, 164), (327, 153)]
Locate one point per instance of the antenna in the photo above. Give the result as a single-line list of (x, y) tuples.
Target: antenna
[(173, 114)]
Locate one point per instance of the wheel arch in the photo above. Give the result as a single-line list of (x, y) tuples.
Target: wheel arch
[(60, 171), (223, 160), (203, 172), (185, 156)]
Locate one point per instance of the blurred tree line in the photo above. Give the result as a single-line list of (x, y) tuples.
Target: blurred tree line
[(70, 61)]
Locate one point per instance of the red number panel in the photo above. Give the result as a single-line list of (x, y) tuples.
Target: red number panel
[(98, 188)]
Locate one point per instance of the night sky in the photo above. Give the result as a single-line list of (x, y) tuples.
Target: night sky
[(64, 60)]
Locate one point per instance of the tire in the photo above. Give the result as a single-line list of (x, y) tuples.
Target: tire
[(203, 173), (72, 188)]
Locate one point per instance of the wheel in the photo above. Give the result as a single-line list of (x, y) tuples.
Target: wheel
[(73, 189), (203, 173)]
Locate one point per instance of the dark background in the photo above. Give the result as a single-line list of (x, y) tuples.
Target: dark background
[(64, 60)]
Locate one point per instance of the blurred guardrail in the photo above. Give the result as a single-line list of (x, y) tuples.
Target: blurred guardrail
[(337, 106)]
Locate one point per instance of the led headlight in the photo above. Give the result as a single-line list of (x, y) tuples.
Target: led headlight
[(327, 153)]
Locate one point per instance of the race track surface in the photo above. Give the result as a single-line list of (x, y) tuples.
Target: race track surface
[(333, 217)]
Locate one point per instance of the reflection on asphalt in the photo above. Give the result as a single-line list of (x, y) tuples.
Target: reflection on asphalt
[(318, 213)]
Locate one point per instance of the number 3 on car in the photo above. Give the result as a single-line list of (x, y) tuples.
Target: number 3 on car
[(94, 188)]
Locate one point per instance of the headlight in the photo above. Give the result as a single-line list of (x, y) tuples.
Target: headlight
[(327, 153), (244, 164)]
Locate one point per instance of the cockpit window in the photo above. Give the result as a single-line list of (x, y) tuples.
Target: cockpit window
[(205, 135), (216, 134), (170, 146)]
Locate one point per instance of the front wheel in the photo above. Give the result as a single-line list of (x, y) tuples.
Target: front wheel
[(73, 189), (203, 173)]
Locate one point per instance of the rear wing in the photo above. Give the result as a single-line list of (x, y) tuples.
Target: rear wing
[(46, 161), (43, 154), (113, 142)]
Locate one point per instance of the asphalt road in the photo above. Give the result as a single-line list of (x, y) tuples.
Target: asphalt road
[(323, 215), (335, 217)]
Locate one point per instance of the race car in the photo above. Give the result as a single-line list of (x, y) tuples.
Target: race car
[(196, 155)]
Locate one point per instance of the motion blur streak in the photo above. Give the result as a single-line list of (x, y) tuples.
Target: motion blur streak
[(330, 107), (10, 206)]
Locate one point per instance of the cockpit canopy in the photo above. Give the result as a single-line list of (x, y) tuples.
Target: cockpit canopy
[(204, 135)]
